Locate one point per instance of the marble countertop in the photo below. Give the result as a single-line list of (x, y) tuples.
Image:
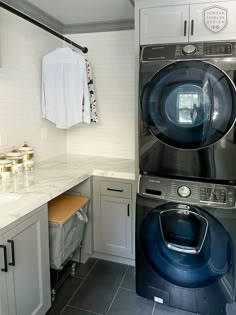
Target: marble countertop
[(53, 177)]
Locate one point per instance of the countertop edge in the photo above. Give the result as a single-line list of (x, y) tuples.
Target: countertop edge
[(36, 200)]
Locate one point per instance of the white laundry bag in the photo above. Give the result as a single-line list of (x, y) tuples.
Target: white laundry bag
[(65, 237)]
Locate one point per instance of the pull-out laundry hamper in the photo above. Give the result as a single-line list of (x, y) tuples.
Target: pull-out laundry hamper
[(67, 218)]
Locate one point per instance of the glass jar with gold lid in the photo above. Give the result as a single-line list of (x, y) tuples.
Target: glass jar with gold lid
[(28, 156), (5, 166), (16, 157)]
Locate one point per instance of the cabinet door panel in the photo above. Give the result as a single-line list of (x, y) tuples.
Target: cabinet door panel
[(3, 286), (28, 281), (213, 22), (164, 25), (115, 226)]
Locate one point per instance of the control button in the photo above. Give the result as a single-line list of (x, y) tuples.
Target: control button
[(189, 50), (184, 191)]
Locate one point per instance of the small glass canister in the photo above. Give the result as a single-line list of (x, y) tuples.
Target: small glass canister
[(16, 158), (5, 166), (28, 156)]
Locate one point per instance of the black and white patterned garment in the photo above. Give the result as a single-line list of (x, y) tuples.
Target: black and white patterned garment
[(93, 103)]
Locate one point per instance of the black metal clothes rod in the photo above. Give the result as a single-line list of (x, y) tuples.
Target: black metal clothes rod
[(42, 26)]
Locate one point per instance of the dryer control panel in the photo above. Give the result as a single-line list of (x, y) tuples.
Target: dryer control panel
[(207, 50), (191, 192)]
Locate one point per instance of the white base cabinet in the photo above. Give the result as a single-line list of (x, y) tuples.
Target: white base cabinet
[(113, 217), (115, 226), (3, 284), (27, 278)]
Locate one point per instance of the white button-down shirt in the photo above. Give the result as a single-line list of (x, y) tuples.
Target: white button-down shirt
[(64, 87)]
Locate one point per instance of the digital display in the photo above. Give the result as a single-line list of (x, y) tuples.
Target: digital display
[(213, 195), (218, 49)]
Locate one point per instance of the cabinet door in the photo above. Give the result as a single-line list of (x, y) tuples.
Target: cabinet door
[(164, 25), (28, 280), (115, 226), (3, 286), (209, 22)]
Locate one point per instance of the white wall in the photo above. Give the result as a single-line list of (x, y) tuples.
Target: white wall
[(112, 57), (22, 46)]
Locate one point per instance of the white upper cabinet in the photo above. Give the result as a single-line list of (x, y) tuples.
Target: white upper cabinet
[(164, 25), (210, 21)]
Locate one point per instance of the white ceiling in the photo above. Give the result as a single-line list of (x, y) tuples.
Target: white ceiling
[(86, 11)]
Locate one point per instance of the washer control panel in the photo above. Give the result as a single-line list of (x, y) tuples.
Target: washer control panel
[(188, 191)]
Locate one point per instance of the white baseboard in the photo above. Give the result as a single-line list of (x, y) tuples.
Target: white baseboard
[(121, 260)]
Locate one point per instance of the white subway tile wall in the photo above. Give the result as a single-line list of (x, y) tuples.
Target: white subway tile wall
[(111, 54), (22, 46), (112, 57)]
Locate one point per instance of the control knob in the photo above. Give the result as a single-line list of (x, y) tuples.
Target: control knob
[(184, 191), (189, 50)]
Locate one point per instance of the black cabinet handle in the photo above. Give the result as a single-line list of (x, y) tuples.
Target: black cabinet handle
[(5, 269), (128, 212), (192, 27), (117, 190), (13, 263), (185, 27)]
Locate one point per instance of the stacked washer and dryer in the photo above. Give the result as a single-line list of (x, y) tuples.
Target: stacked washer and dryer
[(185, 213)]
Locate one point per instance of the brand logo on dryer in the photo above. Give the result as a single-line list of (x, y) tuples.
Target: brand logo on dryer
[(215, 18)]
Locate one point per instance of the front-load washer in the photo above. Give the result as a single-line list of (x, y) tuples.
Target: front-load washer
[(185, 244), (188, 111)]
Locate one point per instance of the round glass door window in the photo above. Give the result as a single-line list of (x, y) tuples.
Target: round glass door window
[(186, 246), (189, 104)]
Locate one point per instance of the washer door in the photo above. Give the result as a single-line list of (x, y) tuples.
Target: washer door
[(186, 245), (189, 104)]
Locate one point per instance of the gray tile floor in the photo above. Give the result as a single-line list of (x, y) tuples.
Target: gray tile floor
[(104, 288)]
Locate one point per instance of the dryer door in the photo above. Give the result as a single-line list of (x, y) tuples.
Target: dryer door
[(189, 104), (186, 245)]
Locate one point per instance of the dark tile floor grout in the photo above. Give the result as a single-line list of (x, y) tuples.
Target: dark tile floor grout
[(126, 289), (105, 288), (90, 270), (117, 290), (81, 309), (78, 308)]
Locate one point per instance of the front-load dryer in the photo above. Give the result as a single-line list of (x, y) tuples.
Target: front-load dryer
[(185, 244), (188, 111)]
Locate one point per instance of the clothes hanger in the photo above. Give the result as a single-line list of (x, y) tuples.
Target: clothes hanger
[(73, 49)]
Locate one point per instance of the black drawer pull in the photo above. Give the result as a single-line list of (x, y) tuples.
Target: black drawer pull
[(13, 263), (117, 190), (5, 269), (128, 212)]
